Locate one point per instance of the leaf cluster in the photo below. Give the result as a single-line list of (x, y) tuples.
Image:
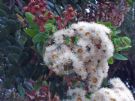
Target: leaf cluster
[(121, 42)]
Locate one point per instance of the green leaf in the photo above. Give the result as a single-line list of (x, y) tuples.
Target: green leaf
[(130, 2), (37, 85), (13, 49), (52, 21), (105, 83), (117, 32), (67, 40), (3, 13), (45, 83), (50, 28), (5, 8), (126, 40), (76, 39), (111, 61), (125, 48), (13, 25), (39, 47), (13, 58), (39, 38), (7, 83), (122, 43), (30, 18), (30, 32), (3, 33), (108, 24), (21, 90), (88, 95), (119, 56)]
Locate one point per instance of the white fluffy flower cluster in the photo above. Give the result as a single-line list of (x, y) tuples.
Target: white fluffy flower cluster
[(87, 57), (118, 92), (77, 94), (83, 48)]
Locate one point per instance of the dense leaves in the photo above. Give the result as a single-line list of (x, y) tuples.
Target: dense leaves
[(18, 59), (22, 37), (121, 43), (106, 11)]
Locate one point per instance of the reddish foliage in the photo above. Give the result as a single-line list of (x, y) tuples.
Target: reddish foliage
[(39, 95), (42, 14), (43, 94), (104, 11)]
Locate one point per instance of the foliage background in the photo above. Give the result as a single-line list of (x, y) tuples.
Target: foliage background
[(21, 62)]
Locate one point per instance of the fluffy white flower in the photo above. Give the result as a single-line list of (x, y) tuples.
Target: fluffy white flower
[(119, 92), (77, 94), (88, 56)]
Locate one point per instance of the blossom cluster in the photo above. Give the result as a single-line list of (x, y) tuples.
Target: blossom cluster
[(118, 92), (78, 94), (84, 48)]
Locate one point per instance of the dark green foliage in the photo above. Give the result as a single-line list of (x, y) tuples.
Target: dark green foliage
[(18, 60), (58, 86), (120, 57), (21, 50), (8, 27), (121, 43), (21, 90), (120, 40), (39, 38)]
